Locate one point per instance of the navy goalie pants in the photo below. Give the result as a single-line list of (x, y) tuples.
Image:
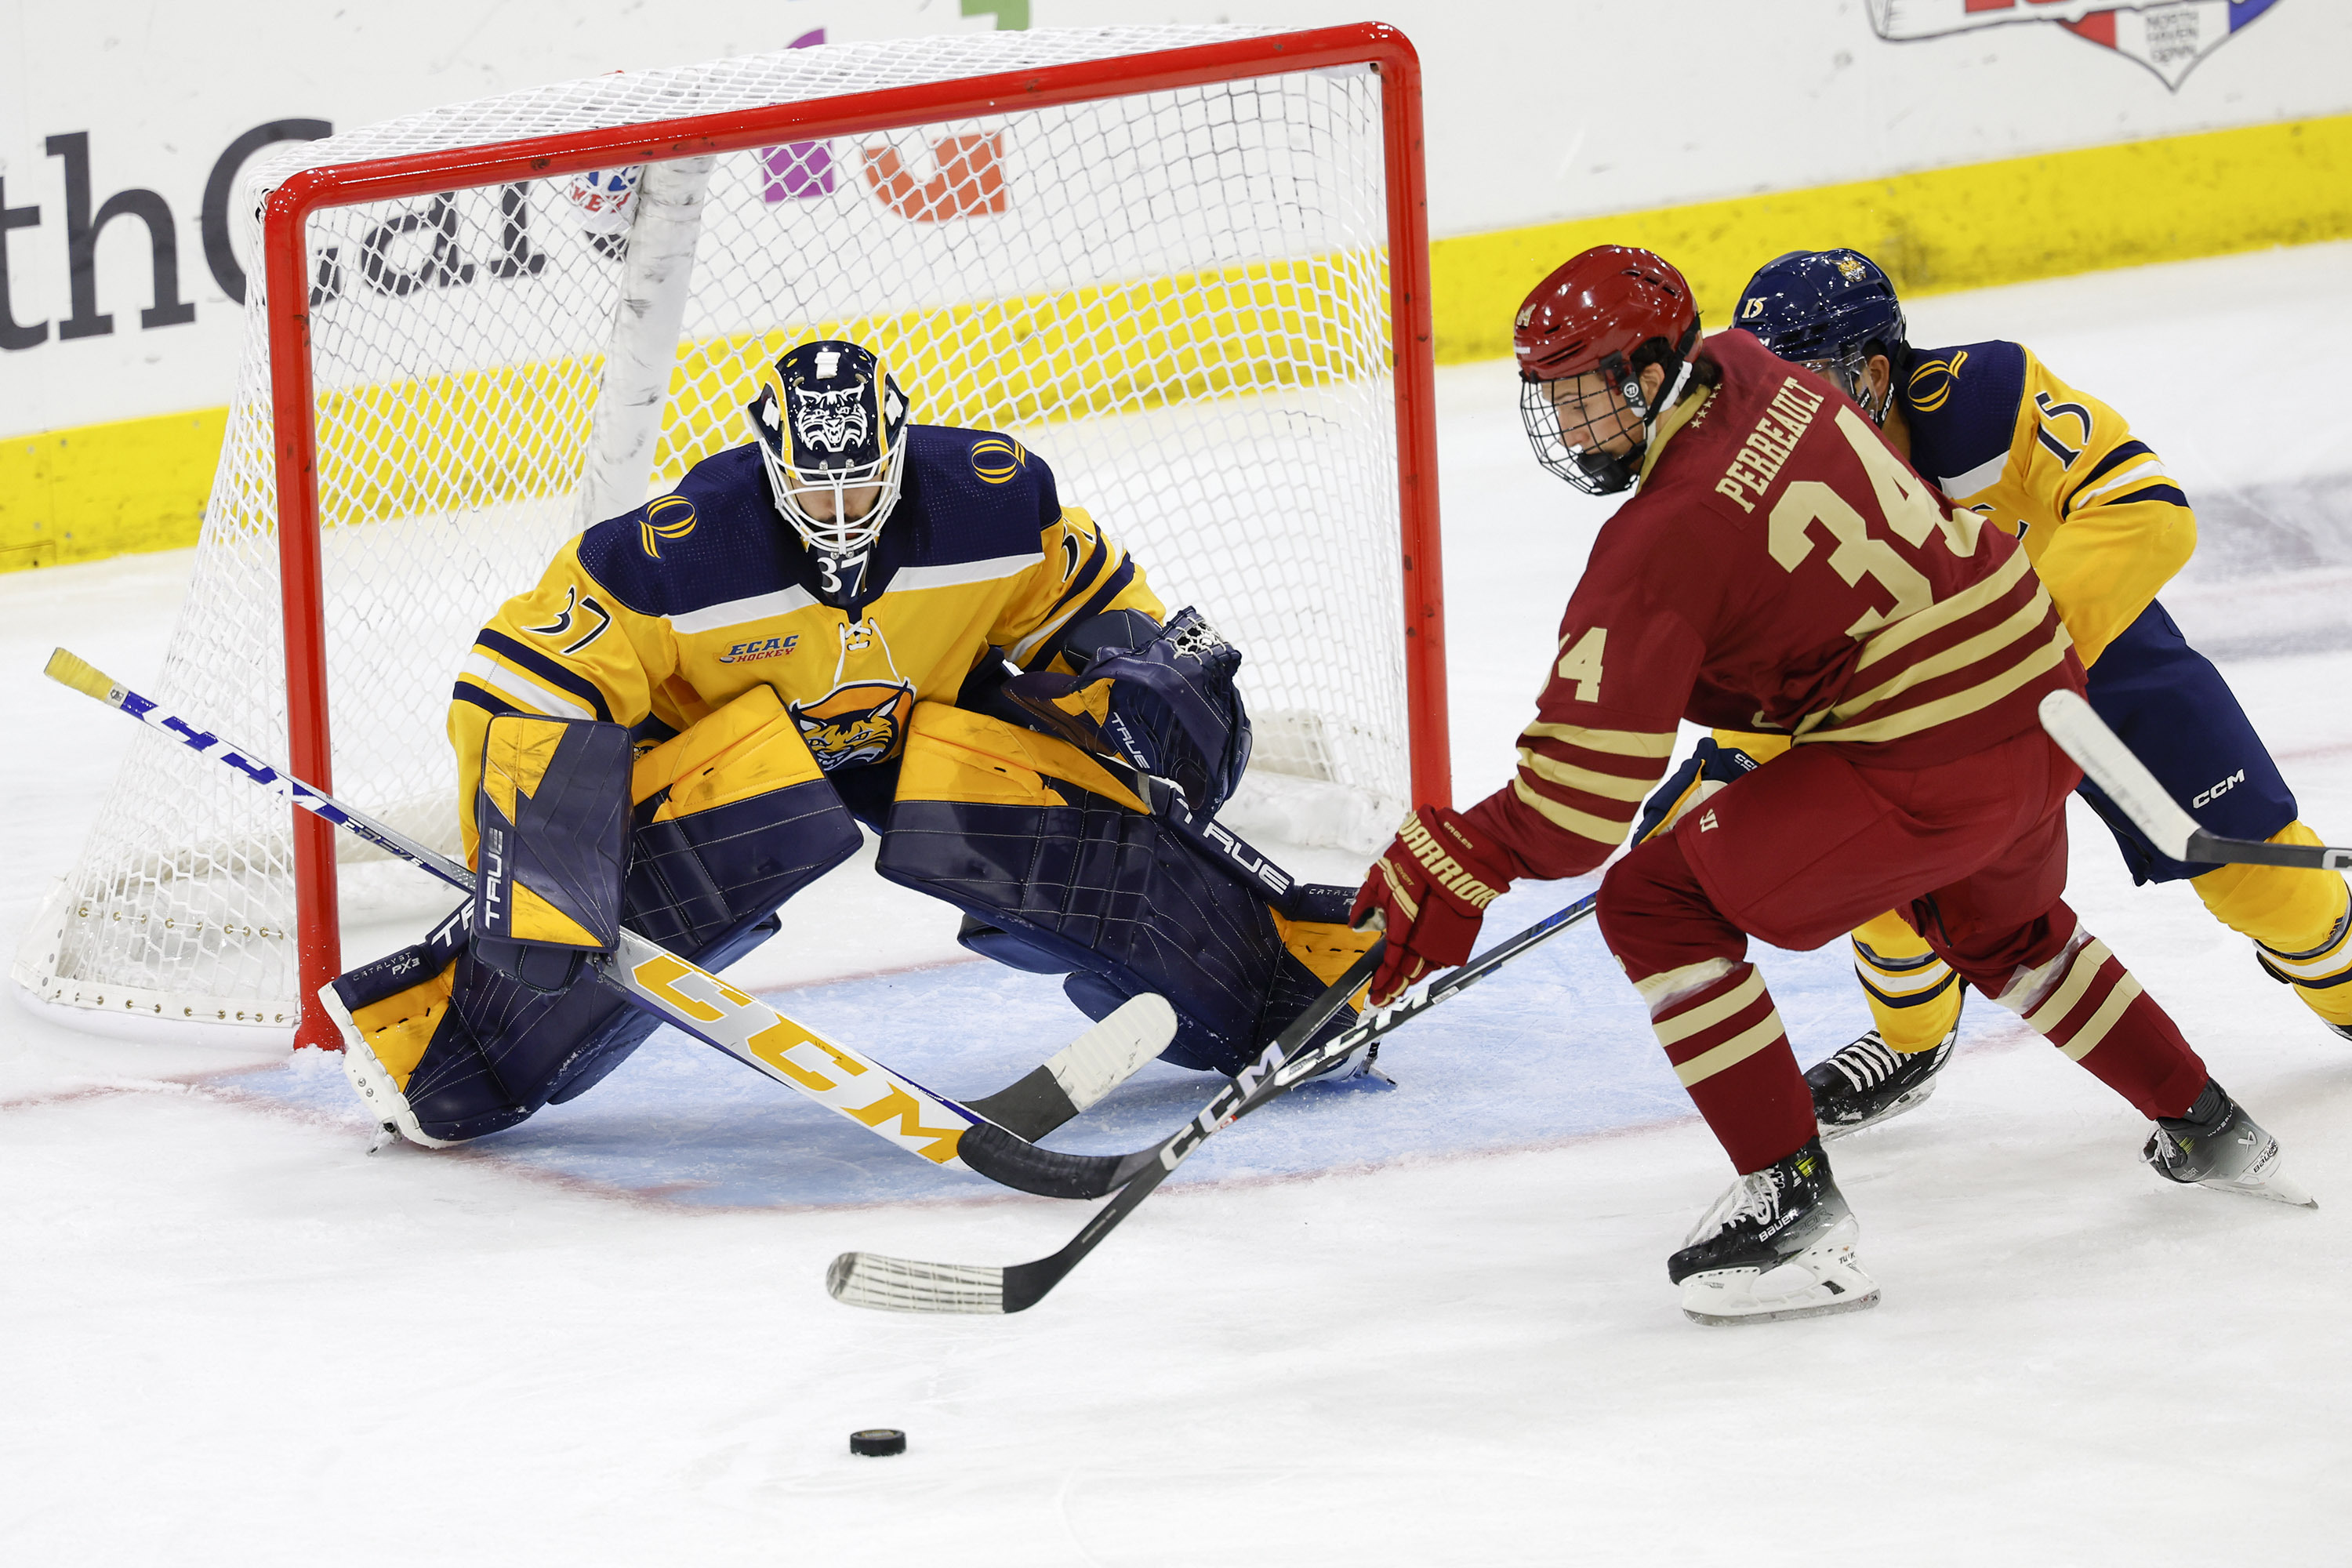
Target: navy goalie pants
[(2172, 707)]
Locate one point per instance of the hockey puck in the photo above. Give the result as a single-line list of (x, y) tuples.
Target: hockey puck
[(876, 1441)]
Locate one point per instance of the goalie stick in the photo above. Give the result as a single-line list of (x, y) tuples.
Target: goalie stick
[(2101, 753), (700, 1004), (903, 1285), (1055, 1173)]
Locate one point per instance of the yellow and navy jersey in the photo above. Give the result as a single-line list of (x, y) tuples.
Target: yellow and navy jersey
[(2103, 523), (671, 612)]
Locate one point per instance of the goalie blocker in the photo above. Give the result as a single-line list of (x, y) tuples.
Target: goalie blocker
[(1060, 867)]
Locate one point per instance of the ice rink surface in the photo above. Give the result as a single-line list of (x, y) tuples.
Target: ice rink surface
[(1422, 1325)]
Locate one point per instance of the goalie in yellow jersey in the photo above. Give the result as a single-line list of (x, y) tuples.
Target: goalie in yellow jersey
[(2105, 528), (850, 618)]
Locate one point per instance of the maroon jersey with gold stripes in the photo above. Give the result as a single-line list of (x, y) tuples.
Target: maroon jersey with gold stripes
[(1781, 568)]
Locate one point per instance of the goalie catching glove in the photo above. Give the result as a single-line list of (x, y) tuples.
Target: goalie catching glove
[(1167, 708), (1429, 892)]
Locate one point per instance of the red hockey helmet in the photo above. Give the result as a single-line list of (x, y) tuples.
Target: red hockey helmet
[(1609, 311)]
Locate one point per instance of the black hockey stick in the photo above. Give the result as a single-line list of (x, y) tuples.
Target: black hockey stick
[(1054, 1173), (902, 1285), (701, 1005), (2101, 753)]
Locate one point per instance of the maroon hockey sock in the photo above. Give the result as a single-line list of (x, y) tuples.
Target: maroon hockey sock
[(1726, 1046), (2095, 1011)]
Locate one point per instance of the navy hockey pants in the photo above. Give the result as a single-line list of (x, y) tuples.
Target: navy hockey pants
[(2172, 707)]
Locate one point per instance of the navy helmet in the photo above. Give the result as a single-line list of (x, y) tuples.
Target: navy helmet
[(1830, 309)]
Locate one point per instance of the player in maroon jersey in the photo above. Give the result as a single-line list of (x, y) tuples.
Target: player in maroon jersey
[(1781, 568)]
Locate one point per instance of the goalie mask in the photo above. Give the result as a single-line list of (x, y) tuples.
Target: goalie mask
[(831, 425)]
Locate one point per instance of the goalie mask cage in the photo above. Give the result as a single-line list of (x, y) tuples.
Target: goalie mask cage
[(1187, 265)]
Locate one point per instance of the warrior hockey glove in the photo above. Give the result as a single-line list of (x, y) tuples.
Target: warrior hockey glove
[(1707, 769), (1431, 889), (1167, 708)]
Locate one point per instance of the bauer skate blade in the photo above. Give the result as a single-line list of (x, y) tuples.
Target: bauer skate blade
[(373, 1080), (1821, 1281)]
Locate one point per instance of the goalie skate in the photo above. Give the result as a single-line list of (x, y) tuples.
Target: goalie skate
[(377, 1089), (1778, 1245), (2217, 1145), (1870, 1081)]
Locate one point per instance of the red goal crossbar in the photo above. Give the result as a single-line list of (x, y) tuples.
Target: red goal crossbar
[(287, 269)]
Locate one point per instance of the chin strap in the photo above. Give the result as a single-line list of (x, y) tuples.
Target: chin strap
[(1670, 395)]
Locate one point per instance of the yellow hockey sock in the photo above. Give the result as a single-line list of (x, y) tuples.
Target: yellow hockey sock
[(2300, 920), (1915, 997)]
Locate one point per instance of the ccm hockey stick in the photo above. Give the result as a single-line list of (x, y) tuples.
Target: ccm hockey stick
[(903, 1285), (2100, 752), (707, 1007), (1052, 1174)]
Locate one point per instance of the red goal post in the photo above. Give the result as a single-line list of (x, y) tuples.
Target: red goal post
[(287, 268)]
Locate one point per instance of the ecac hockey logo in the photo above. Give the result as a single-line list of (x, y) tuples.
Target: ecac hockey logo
[(759, 648)]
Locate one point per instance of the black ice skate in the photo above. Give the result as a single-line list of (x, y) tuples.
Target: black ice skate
[(1869, 1082), (1780, 1243), (2217, 1145)]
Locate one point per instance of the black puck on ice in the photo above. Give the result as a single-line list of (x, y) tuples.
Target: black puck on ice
[(875, 1441)]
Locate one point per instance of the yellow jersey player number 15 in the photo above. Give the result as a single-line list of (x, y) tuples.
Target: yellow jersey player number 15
[(2106, 527)]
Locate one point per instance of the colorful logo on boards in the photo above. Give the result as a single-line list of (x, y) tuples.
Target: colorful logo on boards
[(666, 516), (996, 459), (2167, 36)]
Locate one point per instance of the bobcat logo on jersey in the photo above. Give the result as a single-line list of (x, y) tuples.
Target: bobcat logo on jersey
[(2167, 36), (850, 726), (832, 420)]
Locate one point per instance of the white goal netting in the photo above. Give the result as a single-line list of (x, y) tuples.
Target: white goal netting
[(1179, 299)]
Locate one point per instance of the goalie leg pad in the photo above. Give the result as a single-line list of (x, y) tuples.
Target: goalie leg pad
[(1044, 847), (730, 819), (553, 833)]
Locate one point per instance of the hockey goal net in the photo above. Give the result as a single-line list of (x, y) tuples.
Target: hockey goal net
[(1186, 266)]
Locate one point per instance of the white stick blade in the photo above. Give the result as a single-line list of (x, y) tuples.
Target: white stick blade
[(902, 1285), (1113, 1051), (2083, 735)]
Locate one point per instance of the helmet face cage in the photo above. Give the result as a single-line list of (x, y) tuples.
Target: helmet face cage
[(829, 420), (1574, 453)]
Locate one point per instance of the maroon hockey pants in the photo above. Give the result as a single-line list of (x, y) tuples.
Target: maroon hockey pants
[(1972, 853)]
